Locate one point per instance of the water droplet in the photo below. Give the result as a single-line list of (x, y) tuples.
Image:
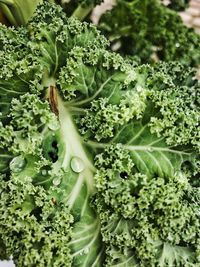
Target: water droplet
[(17, 164), (150, 149), (116, 46), (86, 250), (56, 181), (44, 172), (77, 164), (139, 88), (54, 125)]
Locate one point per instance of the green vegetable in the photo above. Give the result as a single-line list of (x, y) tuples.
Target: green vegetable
[(151, 31), (178, 5), (18, 12), (99, 157), (80, 9)]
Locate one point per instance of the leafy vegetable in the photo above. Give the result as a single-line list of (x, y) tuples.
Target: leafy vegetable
[(99, 157), (178, 5), (18, 12), (149, 30), (79, 8)]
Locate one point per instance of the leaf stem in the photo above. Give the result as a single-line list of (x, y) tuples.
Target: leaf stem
[(82, 12), (138, 148), (18, 12)]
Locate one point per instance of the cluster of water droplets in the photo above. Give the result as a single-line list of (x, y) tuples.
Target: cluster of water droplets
[(18, 163), (76, 164)]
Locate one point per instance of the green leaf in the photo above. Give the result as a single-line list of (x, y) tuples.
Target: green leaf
[(5, 160), (53, 36), (105, 154), (172, 255), (18, 12), (118, 258), (151, 154), (150, 31)]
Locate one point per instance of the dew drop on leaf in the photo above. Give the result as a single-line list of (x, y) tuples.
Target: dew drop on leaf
[(86, 250), (44, 172), (139, 88), (150, 149), (17, 164), (54, 125), (77, 164), (56, 181)]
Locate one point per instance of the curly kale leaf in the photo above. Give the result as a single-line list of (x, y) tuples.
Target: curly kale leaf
[(178, 5), (151, 31), (141, 125), (48, 221), (99, 157)]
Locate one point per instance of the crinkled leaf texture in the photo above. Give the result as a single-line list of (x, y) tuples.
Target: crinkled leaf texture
[(150, 31), (99, 157)]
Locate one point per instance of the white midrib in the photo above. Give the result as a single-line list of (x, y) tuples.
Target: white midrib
[(74, 148)]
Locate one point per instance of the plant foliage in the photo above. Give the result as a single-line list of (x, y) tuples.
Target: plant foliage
[(99, 157)]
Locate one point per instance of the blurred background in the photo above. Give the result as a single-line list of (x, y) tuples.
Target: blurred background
[(191, 16)]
